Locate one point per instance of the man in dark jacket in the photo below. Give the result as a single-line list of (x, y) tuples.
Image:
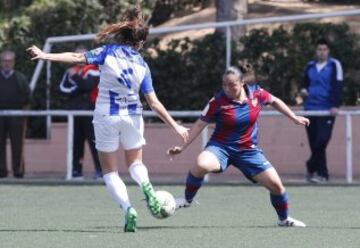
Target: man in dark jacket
[(14, 95), (322, 91), (79, 83)]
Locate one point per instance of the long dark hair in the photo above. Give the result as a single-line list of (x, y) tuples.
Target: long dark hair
[(130, 30)]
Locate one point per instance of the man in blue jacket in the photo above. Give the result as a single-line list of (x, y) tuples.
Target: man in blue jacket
[(322, 91)]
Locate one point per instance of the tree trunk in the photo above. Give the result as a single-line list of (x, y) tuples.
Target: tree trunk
[(230, 10)]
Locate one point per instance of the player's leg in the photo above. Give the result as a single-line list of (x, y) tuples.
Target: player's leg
[(139, 173), (254, 165), (132, 139), (278, 196), (107, 142), (210, 160), (117, 189)]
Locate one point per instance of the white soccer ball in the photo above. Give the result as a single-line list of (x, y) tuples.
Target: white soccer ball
[(167, 203)]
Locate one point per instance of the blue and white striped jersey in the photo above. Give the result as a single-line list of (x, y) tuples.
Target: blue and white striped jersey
[(123, 74)]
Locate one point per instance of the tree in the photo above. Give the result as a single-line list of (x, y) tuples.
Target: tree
[(229, 10)]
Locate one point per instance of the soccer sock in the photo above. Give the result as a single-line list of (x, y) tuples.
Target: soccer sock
[(139, 173), (193, 184), (117, 189), (280, 203)]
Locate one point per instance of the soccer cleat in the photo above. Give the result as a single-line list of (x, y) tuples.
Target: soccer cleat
[(153, 203), (130, 220), (290, 222), (182, 203)]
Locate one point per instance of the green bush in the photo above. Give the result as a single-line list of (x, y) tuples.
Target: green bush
[(282, 56), (189, 73)]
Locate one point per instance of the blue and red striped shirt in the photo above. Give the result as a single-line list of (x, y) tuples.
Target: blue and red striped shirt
[(235, 122)]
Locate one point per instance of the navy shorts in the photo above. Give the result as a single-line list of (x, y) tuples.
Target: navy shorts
[(250, 162)]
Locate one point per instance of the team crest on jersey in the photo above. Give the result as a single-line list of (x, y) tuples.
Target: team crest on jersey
[(254, 102), (97, 51)]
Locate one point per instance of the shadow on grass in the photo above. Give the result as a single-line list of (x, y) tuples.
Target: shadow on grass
[(118, 229), (60, 230)]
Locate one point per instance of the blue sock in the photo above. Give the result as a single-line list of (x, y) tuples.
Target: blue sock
[(280, 203), (193, 184)]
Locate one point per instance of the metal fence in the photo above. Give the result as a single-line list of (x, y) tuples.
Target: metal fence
[(185, 114)]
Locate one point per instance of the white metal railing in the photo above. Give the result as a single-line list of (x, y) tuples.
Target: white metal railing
[(178, 114)]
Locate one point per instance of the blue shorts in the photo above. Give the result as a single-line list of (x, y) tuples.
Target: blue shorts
[(250, 162)]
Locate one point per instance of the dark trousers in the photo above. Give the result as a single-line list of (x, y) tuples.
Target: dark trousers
[(319, 134), (84, 130), (14, 128)]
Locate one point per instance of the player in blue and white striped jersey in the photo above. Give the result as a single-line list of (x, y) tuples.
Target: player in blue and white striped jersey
[(118, 111)]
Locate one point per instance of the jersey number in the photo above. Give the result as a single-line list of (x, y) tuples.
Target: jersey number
[(114, 107), (124, 78)]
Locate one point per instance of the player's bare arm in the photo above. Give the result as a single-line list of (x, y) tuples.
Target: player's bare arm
[(67, 57), (280, 106), (164, 115), (195, 130)]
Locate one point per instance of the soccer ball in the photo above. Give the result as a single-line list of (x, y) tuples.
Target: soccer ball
[(167, 203)]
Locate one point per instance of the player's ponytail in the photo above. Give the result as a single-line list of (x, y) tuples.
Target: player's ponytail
[(248, 71), (131, 30)]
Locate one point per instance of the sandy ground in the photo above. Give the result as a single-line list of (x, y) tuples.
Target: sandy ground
[(260, 9)]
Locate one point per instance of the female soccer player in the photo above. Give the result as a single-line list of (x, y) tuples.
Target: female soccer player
[(235, 110), (118, 110)]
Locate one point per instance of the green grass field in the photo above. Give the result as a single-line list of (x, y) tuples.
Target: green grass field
[(229, 216)]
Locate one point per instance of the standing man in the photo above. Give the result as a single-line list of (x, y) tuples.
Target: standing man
[(80, 83), (14, 94), (322, 91)]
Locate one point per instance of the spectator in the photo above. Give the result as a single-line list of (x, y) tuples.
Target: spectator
[(14, 95), (80, 84), (322, 91)]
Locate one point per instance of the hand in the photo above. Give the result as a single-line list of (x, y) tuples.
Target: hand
[(300, 120), (36, 53), (174, 150), (334, 111), (183, 132)]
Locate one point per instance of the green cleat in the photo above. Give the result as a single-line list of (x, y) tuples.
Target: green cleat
[(153, 203), (130, 220)]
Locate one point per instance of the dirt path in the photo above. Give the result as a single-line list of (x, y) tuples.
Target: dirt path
[(263, 8)]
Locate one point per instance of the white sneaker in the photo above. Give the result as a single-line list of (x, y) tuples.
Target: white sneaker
[(182, 203), (290, 222)]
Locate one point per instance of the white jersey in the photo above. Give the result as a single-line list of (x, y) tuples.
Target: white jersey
[(123, 74)]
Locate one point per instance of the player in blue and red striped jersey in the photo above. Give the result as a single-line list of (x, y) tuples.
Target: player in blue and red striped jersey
[(235, 110)]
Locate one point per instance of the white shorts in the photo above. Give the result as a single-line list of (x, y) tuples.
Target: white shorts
[(112, 130)]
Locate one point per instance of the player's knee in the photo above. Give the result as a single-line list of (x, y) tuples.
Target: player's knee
[(203, 164), (277, 187)]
